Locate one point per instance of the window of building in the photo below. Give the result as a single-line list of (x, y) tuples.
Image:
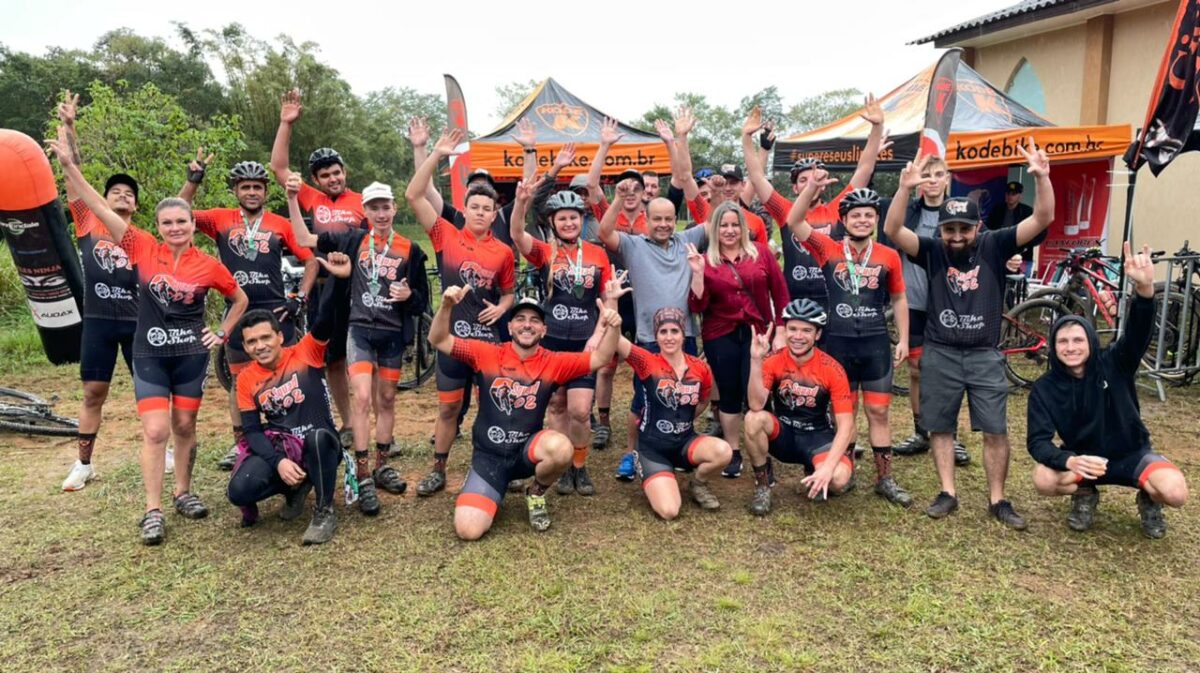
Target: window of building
[(1025, 88)]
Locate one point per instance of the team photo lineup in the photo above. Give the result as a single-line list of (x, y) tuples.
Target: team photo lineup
[(742, 353)]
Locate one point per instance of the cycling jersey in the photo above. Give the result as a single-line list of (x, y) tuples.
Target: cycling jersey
[(514, 393), (171, 313), (578, 274), (803, 273), (875, 271), (293, 397), (638, 226), (111, 288), (483, 263), (701, 209), (378, 261), (806, 396), (332, 214), (966, 295), (669, 401), (500, 227), (255, 264)]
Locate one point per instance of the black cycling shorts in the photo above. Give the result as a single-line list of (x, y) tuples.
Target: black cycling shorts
[(797, 447), (490, 473), (162, 382), (98, 349)]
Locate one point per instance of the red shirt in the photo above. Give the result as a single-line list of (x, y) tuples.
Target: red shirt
[(701, 209), (802, 395), (255, 264), (741, 292), (293, 397), (484, 263), (638, 226), (110, 281), (332, 215), (670, 400), (571, 307), (879, 278), (822, 216)]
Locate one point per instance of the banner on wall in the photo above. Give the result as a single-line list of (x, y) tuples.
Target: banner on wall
[(985, 186), (1080, 210)]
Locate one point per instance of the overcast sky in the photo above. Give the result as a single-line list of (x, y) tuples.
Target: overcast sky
[(804, 48)]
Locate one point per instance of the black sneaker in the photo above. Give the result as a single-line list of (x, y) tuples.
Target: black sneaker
[(1005, 514), (389, 480), (293, 501), (961, 457), (889, 490), (432, 483), (1154, 526), (228, 460), (583, 482), (1083, 508), (566, 482), (368, 497), (600, 435), (942, 506), (734, 469), (320, 529), (912, 446)]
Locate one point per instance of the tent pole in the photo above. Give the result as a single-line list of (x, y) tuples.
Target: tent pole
[(1126, 237)]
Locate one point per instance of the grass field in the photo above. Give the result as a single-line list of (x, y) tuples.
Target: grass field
[(854, 584)]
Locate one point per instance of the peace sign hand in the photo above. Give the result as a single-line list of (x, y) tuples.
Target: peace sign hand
[(69, 108), (1039, 163), (695, 259)]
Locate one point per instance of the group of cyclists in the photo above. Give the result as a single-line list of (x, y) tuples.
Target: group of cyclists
[(787, 349)]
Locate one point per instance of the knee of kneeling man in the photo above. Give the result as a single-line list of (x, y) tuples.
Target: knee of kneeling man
[(1176, 494), (557, 446), (667, 512), (469, 533)]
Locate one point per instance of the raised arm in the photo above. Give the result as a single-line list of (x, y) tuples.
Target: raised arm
[(526, 137), (195, 175), (609, 136), (418, 135), (516, 224), (681, 164), (610, 322), (760, 346), (796, 219), (756, 171), (76, 182), (289, 112), (426, 214), (873, 114), (893, 224), (304, 237), (668, 138), (1043, 204), (439, 330), (608, 223), (67, 111)]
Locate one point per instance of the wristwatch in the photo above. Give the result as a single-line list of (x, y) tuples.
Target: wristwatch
[(220, 335)]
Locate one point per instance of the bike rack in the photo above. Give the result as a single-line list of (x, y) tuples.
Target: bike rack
[(1175, 365)]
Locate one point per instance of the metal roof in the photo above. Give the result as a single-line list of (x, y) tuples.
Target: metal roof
[(1023, 12)]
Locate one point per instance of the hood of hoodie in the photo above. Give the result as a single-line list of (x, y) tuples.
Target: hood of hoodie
[(1089, 367)]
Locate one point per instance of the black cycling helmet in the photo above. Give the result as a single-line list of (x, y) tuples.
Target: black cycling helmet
[(805, 164), (325, 156), (565, 200), (859, 197), (807, 310), (247, 170)]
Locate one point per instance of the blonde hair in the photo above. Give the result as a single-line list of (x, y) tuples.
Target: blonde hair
[(934, 163), (714, 224)]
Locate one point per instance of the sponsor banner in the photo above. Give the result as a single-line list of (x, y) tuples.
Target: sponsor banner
[(842, 154), (54, 314), (997, 148), (939, 107), (1080, 211), (456, 118), (1171, 116), (507, 160)]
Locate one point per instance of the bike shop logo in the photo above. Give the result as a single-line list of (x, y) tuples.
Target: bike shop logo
[(868, 276), (675, 394), (509, 394), (241, 244), (279, 399), (322, 214), (668, 428), (961, 282), (476, 276), (797, 394), (159, 337), (245, 278), (571, 120), (114, 292), (17, 227), (498, 435), (110, 256), (166, 289)]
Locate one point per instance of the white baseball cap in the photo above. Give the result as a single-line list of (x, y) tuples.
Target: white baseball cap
[(377, 190)]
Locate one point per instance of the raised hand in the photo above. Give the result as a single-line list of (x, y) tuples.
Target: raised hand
[(664, 131), (685, 121), (609, 135), (454, 294), (59, 147), (1039, 163), (526, 134), (760, 344), (565, 156), (822, 179), (753, 122), (447, 144), (885, 141), (1139, 268), (626, 187), (527, 188), (290, 107), (418, 132), (336, 263), (68, 109), (910, 175), (399, 291), (292, 186), (695, 259), (872, 111), (615, 288), (201, 162)]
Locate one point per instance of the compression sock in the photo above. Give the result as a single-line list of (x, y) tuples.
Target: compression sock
[(536, 487), (883, 462), (362, 468), (603, 413), (87, 442), (762, 475), (580, 457), (381, 454), (439, 461)]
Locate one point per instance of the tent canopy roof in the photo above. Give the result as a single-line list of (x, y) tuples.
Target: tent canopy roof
[(561, 117)]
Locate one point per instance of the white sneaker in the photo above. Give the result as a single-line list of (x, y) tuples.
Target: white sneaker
[(170, 465), (79, 477)]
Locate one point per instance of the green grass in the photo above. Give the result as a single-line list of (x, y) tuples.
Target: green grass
[(853, 584)]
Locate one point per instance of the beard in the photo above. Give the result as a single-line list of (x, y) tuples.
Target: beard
[(960, 257)]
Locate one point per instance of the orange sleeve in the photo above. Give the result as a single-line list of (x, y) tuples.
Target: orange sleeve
[(508, 274), (895, 273), (758, 230), (284, 228), (220, 278), (84, 220), (569, 366), (638, 360), (600, 207), (308, 196), (471, 352), (770, 374), (246, 383), (821, 247), (539, 254), (207, 222), (605, 269), (310, 351), (778, 206), (136, 243), (700, 209), (706, 379), (438, 233)]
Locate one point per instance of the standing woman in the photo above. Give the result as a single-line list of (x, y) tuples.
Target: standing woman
[(576, 273), (738, 288), (171, 343)]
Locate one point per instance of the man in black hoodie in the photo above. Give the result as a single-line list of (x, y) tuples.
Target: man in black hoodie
[(1088, 398)]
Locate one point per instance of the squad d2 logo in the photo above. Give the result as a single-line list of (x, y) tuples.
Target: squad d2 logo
[(571, 120)]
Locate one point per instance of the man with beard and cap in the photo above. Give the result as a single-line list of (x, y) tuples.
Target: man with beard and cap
[(515, 381), (251, 243), (966, 270), (1089, 399), (110, 301)]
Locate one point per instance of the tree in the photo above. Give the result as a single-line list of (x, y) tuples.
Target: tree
[(30, 85), (124, 56), (512, 94), (824, 108)]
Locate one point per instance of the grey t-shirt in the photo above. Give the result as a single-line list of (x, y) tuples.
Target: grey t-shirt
[(916, 282), (660, 276)]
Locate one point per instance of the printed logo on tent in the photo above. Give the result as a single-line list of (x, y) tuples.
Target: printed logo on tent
[(984, 99), (570, 120)]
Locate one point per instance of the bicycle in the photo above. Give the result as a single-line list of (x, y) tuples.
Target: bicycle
[(1182, 315), (1086, 282), (29, 414), (421, 360)]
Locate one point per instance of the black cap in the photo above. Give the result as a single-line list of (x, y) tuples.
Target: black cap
[(481, 173), (527, 303), (122, 179), (629, 174), (1014, 187), (731, 172), (958, 209)]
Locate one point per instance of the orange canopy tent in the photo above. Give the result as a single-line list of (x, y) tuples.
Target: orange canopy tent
[(986, 130), (560, 117)]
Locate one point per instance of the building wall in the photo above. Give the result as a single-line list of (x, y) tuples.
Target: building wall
[(1166, 208)]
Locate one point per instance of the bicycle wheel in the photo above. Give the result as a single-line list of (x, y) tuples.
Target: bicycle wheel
[(10, 397), (47, 425), (900, 373), (1025, 339), (221, 368), (420, 360), (1174, 352)]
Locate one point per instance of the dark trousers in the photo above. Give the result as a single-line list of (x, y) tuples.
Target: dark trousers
[(256, 480)]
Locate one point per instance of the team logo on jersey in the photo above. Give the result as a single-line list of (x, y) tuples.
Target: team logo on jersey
[(564, 278), (961, 282), (110, 256), (797, 394), (675, 394), (509, 394), (868, 276), (241, 244), (322, 214), (571, 120), (388, 266), (166, 289), (476, 276), (279, 398)]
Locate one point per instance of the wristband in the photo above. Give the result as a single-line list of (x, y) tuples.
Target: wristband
[(196, 177), (765, 141), (529, 150)]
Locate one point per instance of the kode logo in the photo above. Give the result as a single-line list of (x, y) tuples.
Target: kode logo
[(571, 120), (157, 336)]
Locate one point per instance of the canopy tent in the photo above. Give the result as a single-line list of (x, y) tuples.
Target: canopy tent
[(986, 130), (560, 117)]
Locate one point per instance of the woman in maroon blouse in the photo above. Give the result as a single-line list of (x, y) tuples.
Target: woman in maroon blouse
[(736, 285)]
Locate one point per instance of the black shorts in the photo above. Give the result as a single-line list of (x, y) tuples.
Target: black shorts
[(660, 458), (490, 473), (791, 445), (729, 358), (946, 373), (368, 349), (452, 377), (327, 290), (1132, 470), (98, 349), (159, 382), (234, 346), (571, 346), (916, 332), (867, 361), (628, 316)]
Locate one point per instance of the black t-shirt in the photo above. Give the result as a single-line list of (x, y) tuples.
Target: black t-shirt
[(966, 297), (402, 260)]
